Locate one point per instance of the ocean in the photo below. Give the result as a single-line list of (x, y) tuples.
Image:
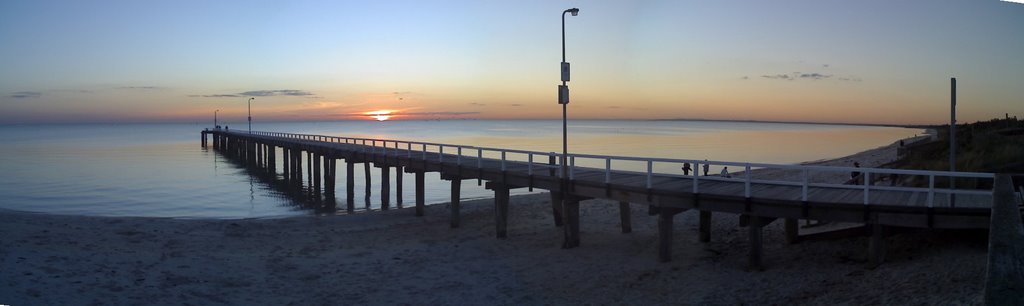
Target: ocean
[(161, 170)]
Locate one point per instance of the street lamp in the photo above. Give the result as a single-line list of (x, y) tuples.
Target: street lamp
[(215, 119), (563, 99), (250, 114), (563, 93)]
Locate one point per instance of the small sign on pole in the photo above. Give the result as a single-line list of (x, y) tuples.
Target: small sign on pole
[(563, 94), (565, 71)]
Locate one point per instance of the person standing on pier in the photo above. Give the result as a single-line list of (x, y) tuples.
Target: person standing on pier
[(686, 169), (706, 167)]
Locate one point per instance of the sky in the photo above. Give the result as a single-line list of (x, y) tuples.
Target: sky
[(882, 62)]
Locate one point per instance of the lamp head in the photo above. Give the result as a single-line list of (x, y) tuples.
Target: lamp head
[(573, 11)]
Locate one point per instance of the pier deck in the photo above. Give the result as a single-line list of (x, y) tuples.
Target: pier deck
[(632, 181)]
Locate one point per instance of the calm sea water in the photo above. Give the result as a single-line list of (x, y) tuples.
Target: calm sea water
[(161, 170)]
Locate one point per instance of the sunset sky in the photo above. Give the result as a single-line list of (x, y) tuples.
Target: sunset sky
[(822, 61)]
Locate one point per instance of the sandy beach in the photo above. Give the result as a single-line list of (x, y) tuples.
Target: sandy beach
[(393, 257)]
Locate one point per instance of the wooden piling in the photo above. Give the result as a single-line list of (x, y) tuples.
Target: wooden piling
[(705, 226), (755, 229), (501, 198), (350, 185), (332, 174), (625, 217), (571, 222), (876, 245), (366, 172), (398, 186), (419, 194), (456, 197), (316, 173), (792, 231), (665, 225)]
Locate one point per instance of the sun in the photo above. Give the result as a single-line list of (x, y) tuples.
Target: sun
[(380, 115)]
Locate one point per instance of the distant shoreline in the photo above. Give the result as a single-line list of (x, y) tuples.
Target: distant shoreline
[(909, 126)]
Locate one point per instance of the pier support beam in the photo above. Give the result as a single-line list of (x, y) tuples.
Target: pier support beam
[(756, 230), (792, 231), (385, 188), (501, 198), (331, 176), (665, 225), (366, 172), (316, 174), (556, 207), (625, 217), (350, 185), (456, 197), (876, 246), (571, 222), (398, 186), (419, 193), (705, 226)]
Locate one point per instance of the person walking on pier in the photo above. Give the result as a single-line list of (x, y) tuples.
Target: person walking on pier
[(855, 174), (686, 169), (706, 167)]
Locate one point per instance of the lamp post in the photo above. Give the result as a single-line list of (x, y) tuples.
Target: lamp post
[(250, 114), (571, 216), (215, 119), (563, 96)]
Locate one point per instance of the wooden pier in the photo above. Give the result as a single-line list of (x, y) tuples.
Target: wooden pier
[(757, 201)]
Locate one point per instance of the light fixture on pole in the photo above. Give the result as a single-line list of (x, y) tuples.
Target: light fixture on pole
[(215, 126), (250, 114)]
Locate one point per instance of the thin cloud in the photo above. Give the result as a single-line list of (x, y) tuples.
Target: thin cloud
[(814, 76), (797, 76), (440, 113), (477, 104), (277, 92), (140, 87), (25, 95), (778, 77), (263, 93), (515, 105)]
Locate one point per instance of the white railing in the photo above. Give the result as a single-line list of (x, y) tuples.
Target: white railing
[(650, 168)]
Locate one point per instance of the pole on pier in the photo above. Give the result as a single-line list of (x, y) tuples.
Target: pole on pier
[(625, 217), (556, 197), (419, 194), (456, 197), (501, 198), (952, 138), (385, 187), (705, 226)]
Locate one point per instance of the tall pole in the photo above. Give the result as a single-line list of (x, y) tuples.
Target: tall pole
[(250, 114), (215, 118), (565, 126), (952, 137)]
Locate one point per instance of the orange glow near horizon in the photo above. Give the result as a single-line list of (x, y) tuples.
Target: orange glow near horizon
[(380, 115)]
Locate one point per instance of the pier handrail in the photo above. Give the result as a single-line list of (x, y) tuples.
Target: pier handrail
[(744, 176)]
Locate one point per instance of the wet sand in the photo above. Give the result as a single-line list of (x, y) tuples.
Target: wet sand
[(393, 257)]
